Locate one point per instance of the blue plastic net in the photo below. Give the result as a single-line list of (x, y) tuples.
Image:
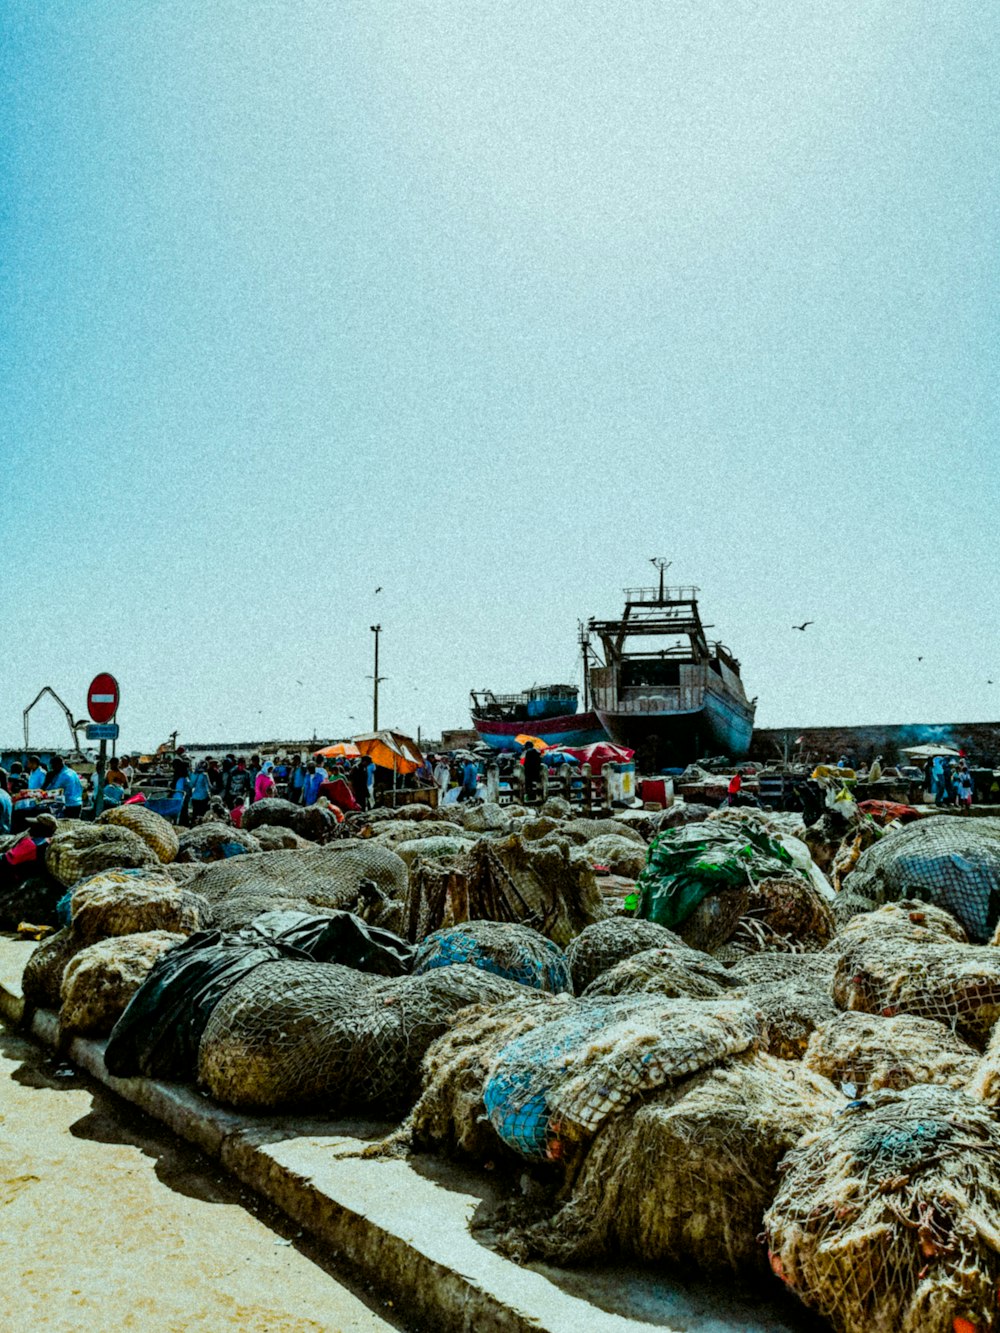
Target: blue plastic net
[(512, 951)]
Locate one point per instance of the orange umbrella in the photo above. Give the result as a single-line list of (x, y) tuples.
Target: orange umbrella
[(390, 749), (531, 740), (342, 750)]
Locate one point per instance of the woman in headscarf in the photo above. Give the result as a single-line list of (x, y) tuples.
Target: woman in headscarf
[(264, 784)]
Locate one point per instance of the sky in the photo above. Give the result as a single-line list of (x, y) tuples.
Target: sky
[(486, 304)]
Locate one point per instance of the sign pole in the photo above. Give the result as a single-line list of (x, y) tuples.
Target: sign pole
[(102, 755)]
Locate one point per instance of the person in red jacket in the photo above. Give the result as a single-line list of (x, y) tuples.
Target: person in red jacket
[(735, 783)]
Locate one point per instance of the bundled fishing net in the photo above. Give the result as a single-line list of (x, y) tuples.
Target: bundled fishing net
[(78, 850), (99, 981), (685, 1176), (984, 1082), (552, 1088), (790, 1011), (41, 982), (128, 903), (450, 1114), (391, 835), (605, 943), (864, 1053), (582, 831), (910, 920), (781, 915), (487, 817), (276, 838), (669, 972), (215, 842), (812, 969), (273, 811), (848, 905), (324, 876), (317, 823), (621, 855), (954, 863), (541, 885), (319, 1036), (504, 948), (152, 828), (435, 848), (954, 984), (889, 1217)]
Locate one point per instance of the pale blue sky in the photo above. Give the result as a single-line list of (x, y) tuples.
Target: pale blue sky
[(488, 303)]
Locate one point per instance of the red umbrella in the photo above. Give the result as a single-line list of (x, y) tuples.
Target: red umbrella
[(599, 754)]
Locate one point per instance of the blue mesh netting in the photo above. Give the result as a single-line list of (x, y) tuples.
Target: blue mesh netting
[(507, 950)]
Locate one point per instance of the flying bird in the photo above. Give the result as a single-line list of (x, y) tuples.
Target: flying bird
[(805, 625), (920, 659), (298, 682), (379, 588)]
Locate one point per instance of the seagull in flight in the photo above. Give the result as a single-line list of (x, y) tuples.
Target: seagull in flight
[(920, 659), (378, 589), (805, 625)]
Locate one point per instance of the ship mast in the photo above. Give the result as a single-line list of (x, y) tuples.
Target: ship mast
[(583, 639), (662, 565)]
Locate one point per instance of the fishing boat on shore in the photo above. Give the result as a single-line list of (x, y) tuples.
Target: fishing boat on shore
[(663, 689), (547, 712)]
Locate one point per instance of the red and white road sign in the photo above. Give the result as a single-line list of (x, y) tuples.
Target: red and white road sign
[(102, 697)]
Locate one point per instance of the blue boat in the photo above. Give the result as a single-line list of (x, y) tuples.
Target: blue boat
[(547, 712)]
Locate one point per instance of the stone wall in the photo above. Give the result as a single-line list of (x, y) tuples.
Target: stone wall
[(979, 740)]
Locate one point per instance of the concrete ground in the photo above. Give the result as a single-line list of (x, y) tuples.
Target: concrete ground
[(109, 1221)]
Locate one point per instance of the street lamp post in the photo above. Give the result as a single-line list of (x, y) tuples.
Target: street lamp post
[(376, 630)]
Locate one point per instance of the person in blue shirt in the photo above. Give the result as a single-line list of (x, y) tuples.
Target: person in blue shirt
[(6, 804), (66, 780), (201, 791), (315, 777), (36, 773), (470, 781)]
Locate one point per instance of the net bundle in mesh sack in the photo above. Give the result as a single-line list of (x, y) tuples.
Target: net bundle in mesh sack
[(779, 915), (77, 851), (582, 831), (319, 1036), (272, 810), (552, 1088), (607, 942), (450, 1115), (670, 972), (541, 884), (790, 1011), (889, 1217), (390, 835), (685, 1176), (152, 828), (504, 948), (484, 817), (215, 842), (864, 1053), (277, 838), (914, 921), (449, 849), (100, 980), (957, 985), (41, 981), (133, 902), (620, 854), (984, 1082), (324, 876), (954, 863), (813, 969)]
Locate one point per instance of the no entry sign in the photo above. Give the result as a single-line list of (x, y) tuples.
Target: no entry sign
[(102, 697)]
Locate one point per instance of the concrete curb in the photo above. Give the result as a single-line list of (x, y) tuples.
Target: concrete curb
[(395, 1226)]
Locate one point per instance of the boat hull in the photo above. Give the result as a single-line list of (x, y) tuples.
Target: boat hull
[(576, 729), (675, 738)]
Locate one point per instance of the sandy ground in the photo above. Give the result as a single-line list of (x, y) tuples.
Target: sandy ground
[(109, 1222)]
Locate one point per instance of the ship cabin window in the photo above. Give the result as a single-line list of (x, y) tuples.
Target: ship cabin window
[(655, 672)]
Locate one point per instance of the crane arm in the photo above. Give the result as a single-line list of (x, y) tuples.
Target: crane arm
[(73, 726)]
